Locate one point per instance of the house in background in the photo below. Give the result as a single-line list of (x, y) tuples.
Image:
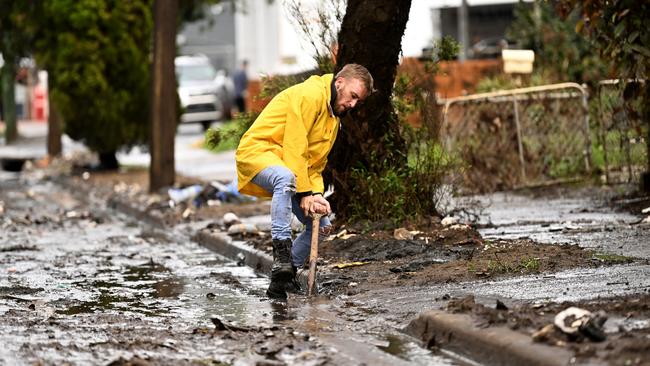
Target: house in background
[(262, 33)]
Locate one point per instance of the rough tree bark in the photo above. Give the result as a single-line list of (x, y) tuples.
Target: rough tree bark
[(8, 76), (163, 102), (371, 35), (54, 131)]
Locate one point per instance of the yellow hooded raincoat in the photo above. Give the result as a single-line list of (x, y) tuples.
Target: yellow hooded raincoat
[(296, 130)]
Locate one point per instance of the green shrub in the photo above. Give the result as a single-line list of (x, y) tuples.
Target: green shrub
[(227, 136), (99, 66)]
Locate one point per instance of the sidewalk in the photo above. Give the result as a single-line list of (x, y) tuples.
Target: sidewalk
[(191, 160)]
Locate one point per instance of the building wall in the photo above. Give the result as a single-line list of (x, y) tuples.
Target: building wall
[(213, 36)]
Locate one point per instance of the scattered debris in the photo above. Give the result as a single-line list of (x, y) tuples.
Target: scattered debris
[(241, 259), (544, 334), (405, 234), (221, 325), (449, 220), (574, 321), (343, 235), (349, 264), (501, 306), (187, 213), (402, 234), (459, 227), (184, 194), (243, 229), (229, 218)]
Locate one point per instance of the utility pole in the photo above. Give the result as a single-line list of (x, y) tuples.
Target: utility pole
[(54, 130), (463, 30), (163, 96), (8, 76)]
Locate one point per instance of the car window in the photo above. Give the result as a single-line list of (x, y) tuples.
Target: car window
[(189, 73)]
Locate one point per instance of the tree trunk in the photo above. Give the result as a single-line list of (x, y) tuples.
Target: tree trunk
[(163, 102), (108, 161), (371, 35), (9, 100), (645, 177), (54, 130)]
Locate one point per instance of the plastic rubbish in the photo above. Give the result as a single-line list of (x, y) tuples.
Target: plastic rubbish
[(243, 229), (449, 220), (241, 259), (229, 218), (184, 194), (230, 193), (574, 321)]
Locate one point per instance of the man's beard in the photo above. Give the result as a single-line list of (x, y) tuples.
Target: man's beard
[(341, 114)]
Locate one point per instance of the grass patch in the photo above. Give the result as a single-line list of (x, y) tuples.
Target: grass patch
[(612, 258)]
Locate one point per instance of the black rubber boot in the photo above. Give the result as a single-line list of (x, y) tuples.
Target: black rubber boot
[(281, 272), (293, 286)]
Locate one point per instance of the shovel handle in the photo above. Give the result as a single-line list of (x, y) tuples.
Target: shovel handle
[(313, 255)]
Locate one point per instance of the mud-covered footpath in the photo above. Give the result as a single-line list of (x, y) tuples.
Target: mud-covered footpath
[(82, 283), (488, 298)]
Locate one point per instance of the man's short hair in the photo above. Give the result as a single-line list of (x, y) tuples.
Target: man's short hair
[(356, 71)]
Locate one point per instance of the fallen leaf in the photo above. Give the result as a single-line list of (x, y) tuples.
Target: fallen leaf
[(349, 264)]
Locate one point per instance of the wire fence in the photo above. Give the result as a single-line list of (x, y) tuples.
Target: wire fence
[(520, 137), (621, 148)]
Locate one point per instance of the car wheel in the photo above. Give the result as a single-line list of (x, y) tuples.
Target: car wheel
[(206, 125)]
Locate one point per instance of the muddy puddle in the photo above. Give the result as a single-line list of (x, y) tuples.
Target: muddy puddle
[(83, 285)]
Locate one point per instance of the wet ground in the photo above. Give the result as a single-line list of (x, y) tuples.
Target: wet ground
[(387, 277), (82, 284), (586, 217)]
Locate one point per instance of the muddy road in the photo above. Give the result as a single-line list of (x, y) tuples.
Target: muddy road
[(82, 284)]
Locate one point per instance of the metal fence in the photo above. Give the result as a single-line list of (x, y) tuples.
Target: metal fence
[(520, 137), (620, 148)]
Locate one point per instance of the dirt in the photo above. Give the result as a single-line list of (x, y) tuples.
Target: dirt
[(627, 332), (363, 259), (81, 285)]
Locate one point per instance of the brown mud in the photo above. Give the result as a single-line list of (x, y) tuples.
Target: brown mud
[(356, 260)]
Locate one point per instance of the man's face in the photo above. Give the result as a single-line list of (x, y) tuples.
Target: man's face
[(350, 93)]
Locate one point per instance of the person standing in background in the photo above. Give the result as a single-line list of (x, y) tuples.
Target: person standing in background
[(241, 86)]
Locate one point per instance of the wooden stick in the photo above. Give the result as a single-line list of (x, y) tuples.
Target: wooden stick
[(313, 255)]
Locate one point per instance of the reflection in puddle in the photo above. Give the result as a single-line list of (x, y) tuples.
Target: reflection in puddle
[(126, 292), (395, 346), (406, 349)]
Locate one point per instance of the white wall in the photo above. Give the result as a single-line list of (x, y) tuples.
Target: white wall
[(266, 36)]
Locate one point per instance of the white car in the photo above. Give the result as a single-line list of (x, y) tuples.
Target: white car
[(205, 93)]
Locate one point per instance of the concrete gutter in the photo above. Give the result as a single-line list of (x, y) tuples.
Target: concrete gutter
[(455, 332), (488, 346), (223, 244)]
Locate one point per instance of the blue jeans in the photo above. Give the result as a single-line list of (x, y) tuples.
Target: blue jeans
[(281, 182)]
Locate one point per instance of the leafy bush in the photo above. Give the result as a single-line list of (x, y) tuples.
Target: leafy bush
[(99, 68), (413, 191), (227, 136)]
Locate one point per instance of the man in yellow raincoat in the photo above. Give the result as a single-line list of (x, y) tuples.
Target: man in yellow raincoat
[(283, 154)]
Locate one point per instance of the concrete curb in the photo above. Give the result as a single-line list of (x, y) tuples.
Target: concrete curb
[(223, 244), (488, 346)]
